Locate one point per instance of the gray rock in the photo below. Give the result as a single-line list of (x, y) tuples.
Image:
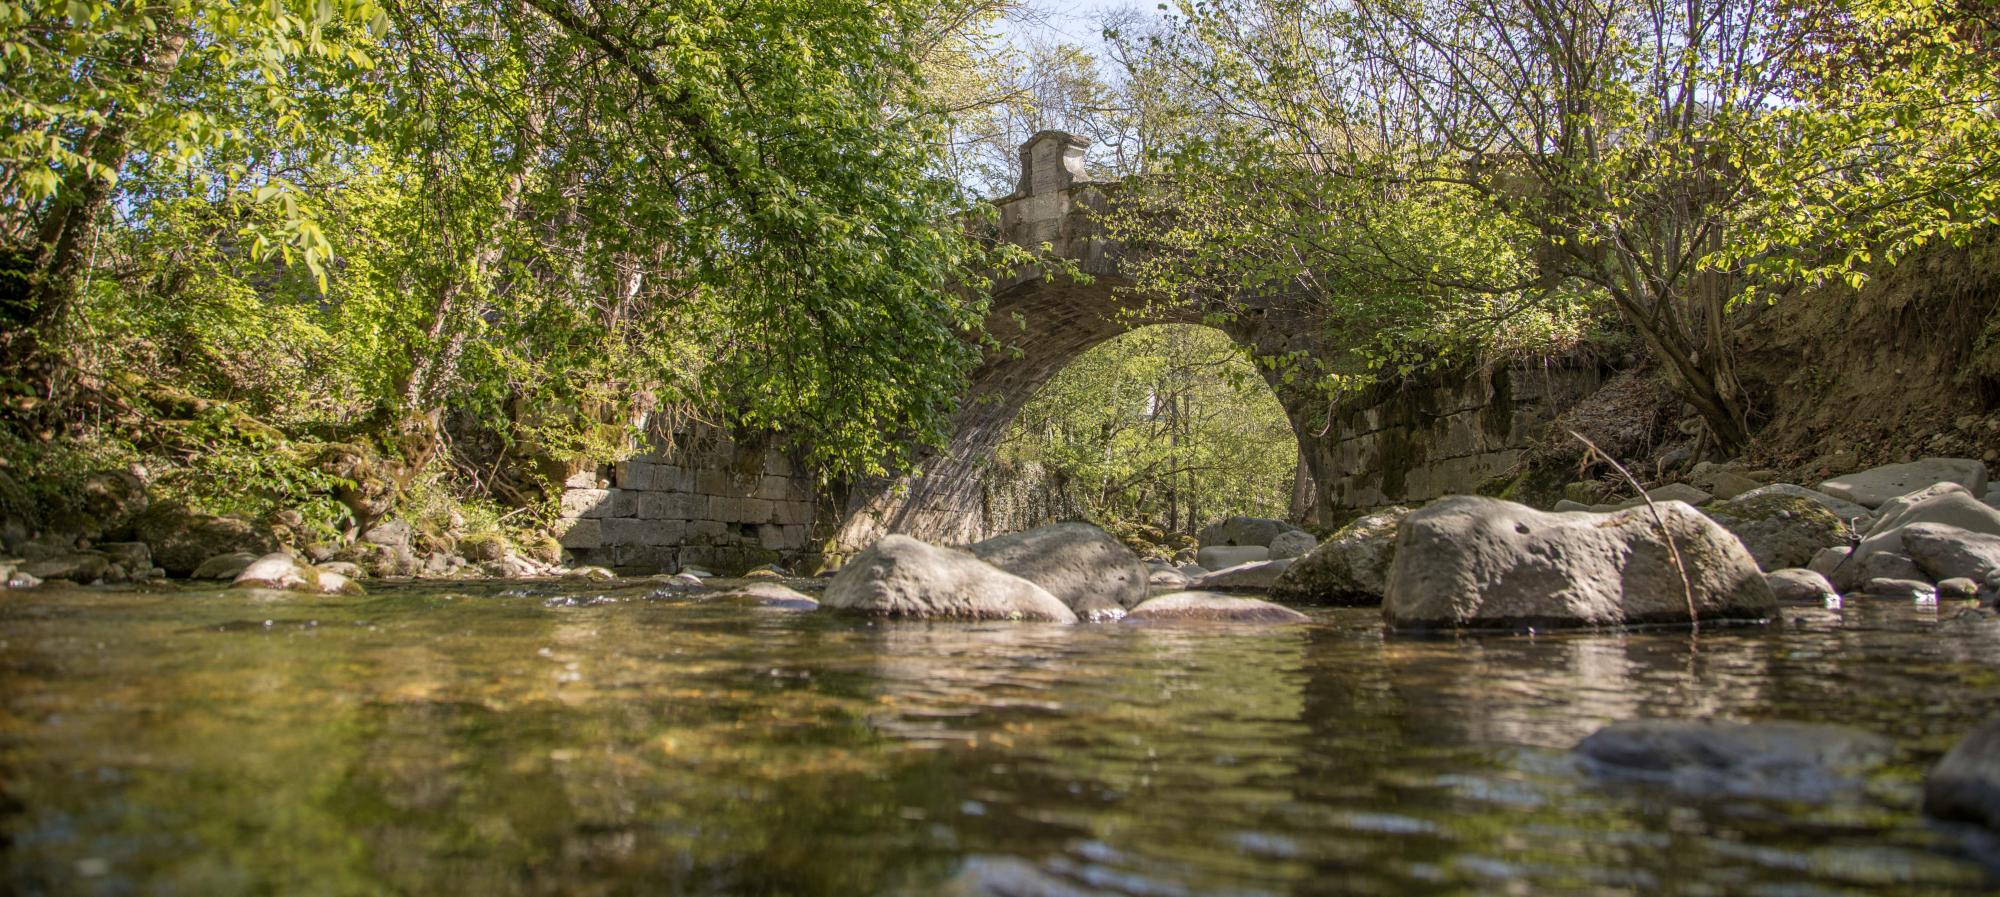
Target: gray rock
[(1727, 484), (1469, 561), (767, 595), (1669, 492), (1799, 587), (1878, 485), (224, 566), (1083, 566), (390, 532), (130, 555), (1842, 508), (1224, 556), (1946, 503), (1889, 565), (902, 577), (21, 579), (81, 567), (1192, 571), (593, 573), (180, 540), (1899, 589), (1258, 531), (1292, 544), (1828, 561), (1350, 568), (1209, 607), (1992, 498), (344, 568), (1957, 588), (278, 570), (1257, 576), (1947, 552), (1780, 530), (1964, 786), (1565, 506), (1774, 760), (1167, 579)]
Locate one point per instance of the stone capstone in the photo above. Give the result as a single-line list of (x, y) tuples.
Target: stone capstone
[(1470, 561), (903, 577), (1085, 568), (1209, 607), (1350, 568)]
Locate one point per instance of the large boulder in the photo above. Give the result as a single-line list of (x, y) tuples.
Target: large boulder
[(1965, 785), (1258, 531), (1083, 566), (1257, 576), (1945, 503), (1947, 552), (1222, 556), (903, 577), (1209, 607), (1877, 485), (1777, 760), (1470, 561), (1780, 530), (181, 540), (1350, 568), (1841, 508)]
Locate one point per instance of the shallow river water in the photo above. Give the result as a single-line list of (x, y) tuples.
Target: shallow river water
[(560, 739)]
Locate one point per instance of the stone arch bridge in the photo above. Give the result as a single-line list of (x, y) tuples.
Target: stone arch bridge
[(729, 502)]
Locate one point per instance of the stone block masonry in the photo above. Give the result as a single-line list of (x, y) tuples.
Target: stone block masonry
[(708, 501)]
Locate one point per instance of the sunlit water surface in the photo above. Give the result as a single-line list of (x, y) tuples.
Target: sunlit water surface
[(534, 739)]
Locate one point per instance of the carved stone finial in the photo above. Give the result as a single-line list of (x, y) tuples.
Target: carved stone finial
[(1051, 160)]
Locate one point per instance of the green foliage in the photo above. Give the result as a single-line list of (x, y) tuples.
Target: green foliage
[(1168, 427)]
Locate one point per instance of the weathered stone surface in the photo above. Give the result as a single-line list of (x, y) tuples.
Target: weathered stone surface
[(1083, 566), (1256, 576), (1167, 579), (1828, 561), (902, 577), (1841, 508), (278, 570), (1957, 588), (1292, 544), (1964, 786), (1947, 552), (766, 594), (1945, 503), (1899, 589), (1209, 607), (1776, 760), (1350, 568), (1224, 556), (181, 540), (81, 567), (133, 556), (1469, 561), (1877, 485), (1800, 587), (1669, 492), (1257, 531), (1728, 484), (1889, 565), (224, 566), (1780, 530)]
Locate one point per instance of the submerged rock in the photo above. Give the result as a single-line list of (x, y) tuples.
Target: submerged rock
[(903, 577), (1776, 760), (1350, 568), (1964, 786), (1083, 566), (1209, 607), (1469, 561), (766, 594), (1878, 485), (1252, 577)]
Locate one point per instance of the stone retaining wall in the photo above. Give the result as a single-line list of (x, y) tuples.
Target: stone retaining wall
[(708, 501), (1419, 441)]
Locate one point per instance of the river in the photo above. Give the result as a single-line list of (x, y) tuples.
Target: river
[(563, 739)]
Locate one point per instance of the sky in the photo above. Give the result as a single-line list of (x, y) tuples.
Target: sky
[(1071, 21)]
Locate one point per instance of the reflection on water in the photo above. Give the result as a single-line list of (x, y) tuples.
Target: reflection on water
[(426, 741)]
